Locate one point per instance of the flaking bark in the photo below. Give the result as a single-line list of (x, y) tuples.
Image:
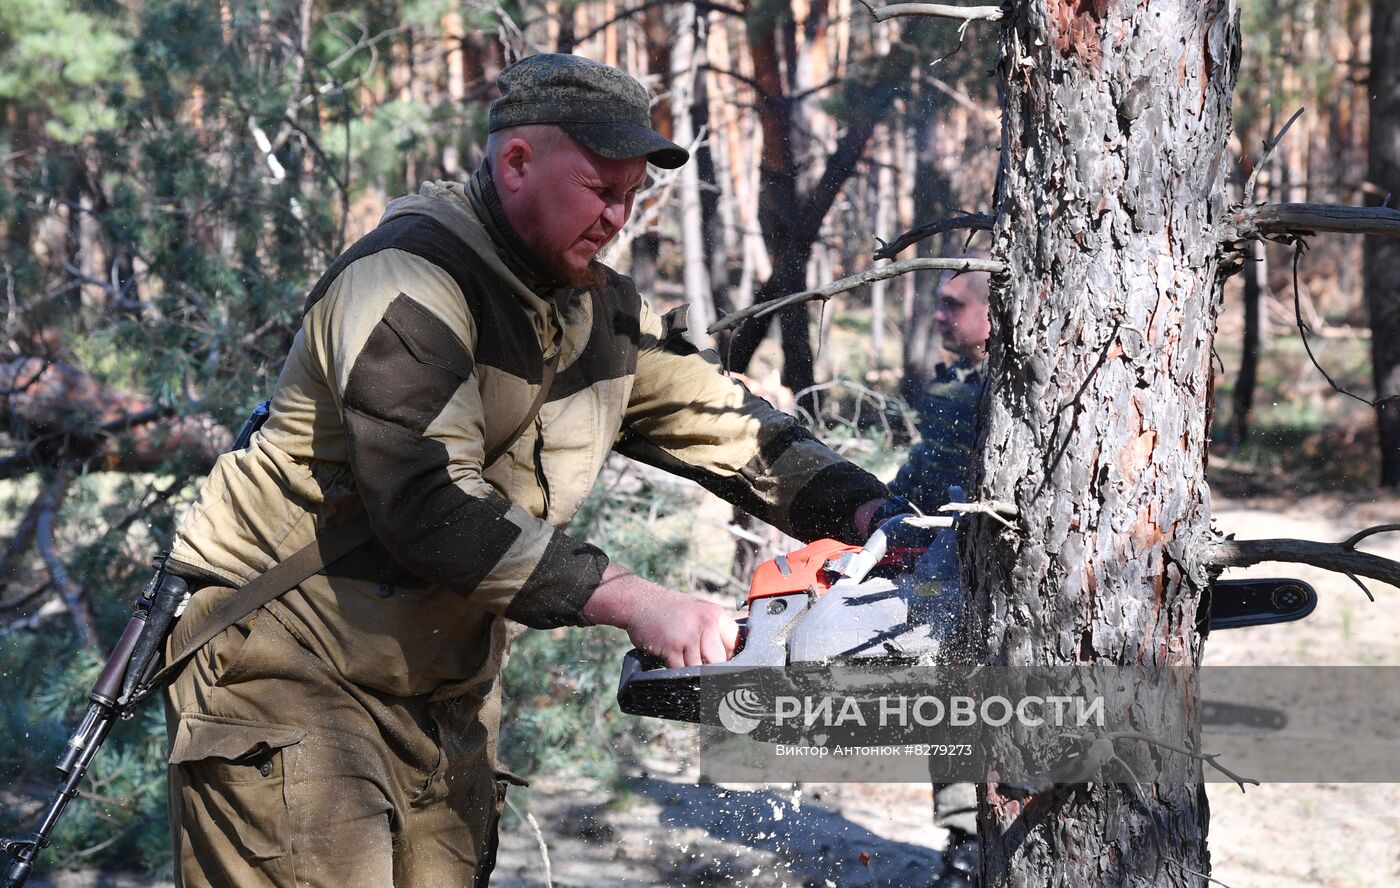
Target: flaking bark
[(1113, 158)]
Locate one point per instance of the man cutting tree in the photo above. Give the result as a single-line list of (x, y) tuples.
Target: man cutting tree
[(460, 375)]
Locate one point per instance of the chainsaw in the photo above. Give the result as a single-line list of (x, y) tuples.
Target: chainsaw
[(860, 613)]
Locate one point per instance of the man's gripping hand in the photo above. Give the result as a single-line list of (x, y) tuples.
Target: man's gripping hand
[(680, 629), (872, 514)]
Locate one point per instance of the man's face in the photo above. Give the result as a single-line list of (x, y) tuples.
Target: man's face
[(574, 202), (961, 314)]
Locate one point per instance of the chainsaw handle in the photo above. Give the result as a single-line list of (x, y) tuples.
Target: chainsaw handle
[(871, 554)]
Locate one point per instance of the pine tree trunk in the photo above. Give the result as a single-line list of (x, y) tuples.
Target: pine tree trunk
[(1116, 117), (1382, 262), (695, 270), (933, 197)]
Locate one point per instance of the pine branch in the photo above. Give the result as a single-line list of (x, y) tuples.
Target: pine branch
[(24, 598), (21, 541), (64, 417)]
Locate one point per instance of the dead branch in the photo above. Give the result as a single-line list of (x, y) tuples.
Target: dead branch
[(63, 416), (1268, 152), (937, 10), (703, 6), (1342, 558), (1296, 219), (972, 221), (1208, 757), (881, 273), (1190, 872), (1291, 220), (1362, 586), (987, 115), (71, 593), (750, 82), (1351, 541), (1299, 248), (994, 509), (1084, 768), (24, 598)]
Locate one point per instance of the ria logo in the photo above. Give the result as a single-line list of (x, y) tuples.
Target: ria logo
[(740, 710)]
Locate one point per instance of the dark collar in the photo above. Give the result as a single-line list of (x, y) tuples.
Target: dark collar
[(481, 190)]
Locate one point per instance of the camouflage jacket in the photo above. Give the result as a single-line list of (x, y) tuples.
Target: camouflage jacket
[(947, 425), (421, 349)]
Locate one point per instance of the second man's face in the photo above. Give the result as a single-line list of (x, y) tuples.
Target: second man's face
[(961, 315)]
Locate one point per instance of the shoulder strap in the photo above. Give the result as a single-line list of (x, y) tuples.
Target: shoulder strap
[(280, 578)]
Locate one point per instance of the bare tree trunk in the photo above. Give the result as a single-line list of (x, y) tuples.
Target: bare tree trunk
[(1116, 117), (1242, 401), (885, 220), (717, 256), (1255, 277), (932, 199), (791, 220), (567, 38), (778, 207), (1382, 256), (696, 272)]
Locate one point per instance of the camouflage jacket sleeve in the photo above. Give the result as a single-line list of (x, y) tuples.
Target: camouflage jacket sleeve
[(687, 417), (394, 338)]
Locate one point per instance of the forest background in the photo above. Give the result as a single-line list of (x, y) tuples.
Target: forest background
[(175, 175)]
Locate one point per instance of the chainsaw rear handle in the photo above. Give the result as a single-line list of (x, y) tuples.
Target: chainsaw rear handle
[(647, 687)]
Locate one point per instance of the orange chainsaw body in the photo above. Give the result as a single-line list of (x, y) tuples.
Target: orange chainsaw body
[(798, 571)]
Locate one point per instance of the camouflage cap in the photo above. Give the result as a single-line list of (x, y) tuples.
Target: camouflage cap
[(602, 108)]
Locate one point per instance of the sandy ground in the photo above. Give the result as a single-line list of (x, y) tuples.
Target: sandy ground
[(1334, 835), (667, 826)]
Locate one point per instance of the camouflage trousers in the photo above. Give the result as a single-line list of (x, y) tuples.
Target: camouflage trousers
[(284, 774)]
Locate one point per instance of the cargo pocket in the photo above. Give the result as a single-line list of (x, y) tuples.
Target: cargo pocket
[(232, 780)]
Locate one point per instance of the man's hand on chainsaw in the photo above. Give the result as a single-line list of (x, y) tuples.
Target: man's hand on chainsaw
[(871, 515), (680, 629)]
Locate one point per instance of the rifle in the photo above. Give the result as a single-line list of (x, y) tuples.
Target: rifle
[(124, 684)]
